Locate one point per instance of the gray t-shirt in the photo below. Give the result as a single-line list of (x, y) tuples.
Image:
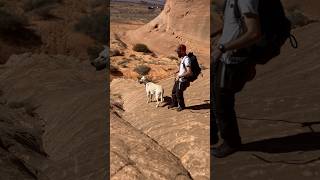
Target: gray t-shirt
[(232, 26), (184, 63)]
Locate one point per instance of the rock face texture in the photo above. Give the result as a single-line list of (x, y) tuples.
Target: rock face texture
[(22, 155), (309, 7), (184, 134), (53, 119), (134, 155), (181, 21)]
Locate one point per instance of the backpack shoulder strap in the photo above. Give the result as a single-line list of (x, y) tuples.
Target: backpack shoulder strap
[(237, 11), (224, 5)]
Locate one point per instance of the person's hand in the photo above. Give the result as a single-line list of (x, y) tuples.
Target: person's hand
[(177, 77), (216, 54)]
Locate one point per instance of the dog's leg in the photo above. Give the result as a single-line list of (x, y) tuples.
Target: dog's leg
[(162, 94), (148, 97), (157, 101)]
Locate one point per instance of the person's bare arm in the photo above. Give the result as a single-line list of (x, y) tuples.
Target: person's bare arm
[(187, 73), (251, 36)]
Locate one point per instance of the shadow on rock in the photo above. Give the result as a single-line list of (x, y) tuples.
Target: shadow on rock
[(167, 101), (22, 37), (199, 107), (299, 142)]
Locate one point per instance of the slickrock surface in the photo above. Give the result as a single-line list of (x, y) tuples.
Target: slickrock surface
[(184, 134), (53, 119), (278, 115)]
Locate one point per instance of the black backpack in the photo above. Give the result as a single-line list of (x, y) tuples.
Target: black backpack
[(275, 28), (195, 68)]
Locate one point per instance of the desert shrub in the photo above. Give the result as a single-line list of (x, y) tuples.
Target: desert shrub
[(142, 69), (35, 4), (11, 23), (95, 26), (94, 51), (141, 48)]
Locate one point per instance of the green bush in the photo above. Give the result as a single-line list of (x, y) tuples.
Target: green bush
[(141, 48), (142, 69), (95, 26)]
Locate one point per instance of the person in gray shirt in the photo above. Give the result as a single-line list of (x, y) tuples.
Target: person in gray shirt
[(232, 69)]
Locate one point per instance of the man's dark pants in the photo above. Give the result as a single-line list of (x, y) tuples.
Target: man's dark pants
[(177, 93), (228, 80)]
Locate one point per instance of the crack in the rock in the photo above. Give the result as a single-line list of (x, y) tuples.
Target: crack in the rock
[(286, 162), (120, 169), (303, 124), (129, 162)]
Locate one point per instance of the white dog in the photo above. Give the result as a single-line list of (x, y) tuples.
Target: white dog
[(153, 90)]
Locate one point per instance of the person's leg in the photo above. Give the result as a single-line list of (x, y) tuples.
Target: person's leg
[(228, 85), (214, 137), (174, 101), (182, 86), (228, 124)]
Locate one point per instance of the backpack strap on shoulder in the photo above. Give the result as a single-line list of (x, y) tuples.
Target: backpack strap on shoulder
[(236, 8), (237, 11), (224, 5)]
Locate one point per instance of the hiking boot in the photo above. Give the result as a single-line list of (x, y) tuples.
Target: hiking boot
[(224, 150), (180, 109), (172, 106)]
